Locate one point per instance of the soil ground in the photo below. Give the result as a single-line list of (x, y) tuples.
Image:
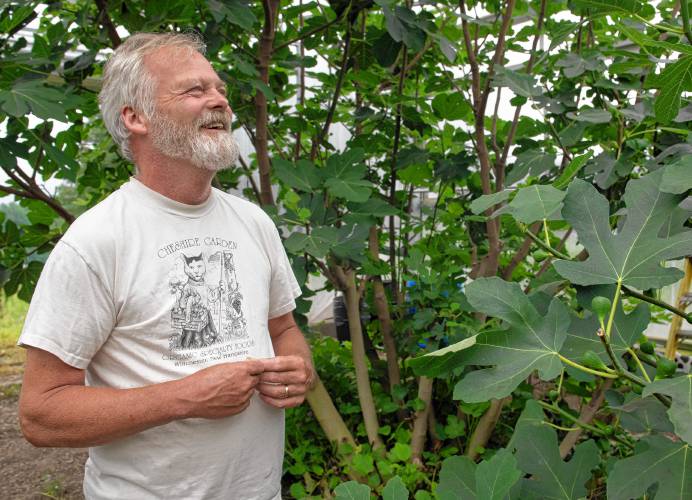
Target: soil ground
[(29, 472)]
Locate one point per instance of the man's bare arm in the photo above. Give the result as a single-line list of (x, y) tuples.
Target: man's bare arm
[(57, 409), (292, 367)]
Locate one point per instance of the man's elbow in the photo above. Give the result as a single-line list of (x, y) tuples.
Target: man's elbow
[(31, 423)]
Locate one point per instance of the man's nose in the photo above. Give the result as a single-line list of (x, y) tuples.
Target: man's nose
[(218, 101)]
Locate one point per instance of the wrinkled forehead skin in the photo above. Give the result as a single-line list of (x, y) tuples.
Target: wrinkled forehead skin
[(169, 65)]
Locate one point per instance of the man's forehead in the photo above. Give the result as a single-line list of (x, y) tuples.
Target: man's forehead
[(173, 59)]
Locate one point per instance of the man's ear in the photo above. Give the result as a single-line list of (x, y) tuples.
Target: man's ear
[(134, 121)]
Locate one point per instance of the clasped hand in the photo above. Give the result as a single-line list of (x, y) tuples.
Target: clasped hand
[(226, 389), (285, 381)]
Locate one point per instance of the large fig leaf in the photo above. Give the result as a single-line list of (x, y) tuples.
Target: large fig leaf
[(634, 255), (395, 490), (317, 243), (457, 479), (581, 336), (533, 162), (680, 411), (656, 460), (614, 6), (344, 174), (443, 361), (677, 177), (676, 79), (538, 454), (536, 202), (644, 416), (495, 477), (492, 479), (303, 175), (531, 342), (352, 490), (483, 203)]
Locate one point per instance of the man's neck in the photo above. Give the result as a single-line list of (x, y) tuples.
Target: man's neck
[(175, 179)]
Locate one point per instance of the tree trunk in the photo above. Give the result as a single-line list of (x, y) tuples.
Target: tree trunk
[(587, 414), (384, 316), (266, 42), (420, 422), (328, 416), (485, 427), (367, 403), (330, 420)]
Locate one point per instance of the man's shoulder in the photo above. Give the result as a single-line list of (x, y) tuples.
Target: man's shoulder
[(246, 209), (98, 223)]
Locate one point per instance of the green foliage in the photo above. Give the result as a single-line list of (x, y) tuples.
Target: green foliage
[(679, 389), (12, 313), (599, 155), (490, 480), (658, 461), (537, 454), (531, 342), (633, 256)]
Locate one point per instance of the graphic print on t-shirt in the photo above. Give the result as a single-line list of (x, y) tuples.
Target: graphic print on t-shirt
[(208, 304)]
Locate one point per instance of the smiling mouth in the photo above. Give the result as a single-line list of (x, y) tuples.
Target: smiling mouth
[(214, 126)]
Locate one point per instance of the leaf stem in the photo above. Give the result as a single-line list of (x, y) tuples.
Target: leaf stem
[(639, 364), (588, 427), (545, 232), (545, 247), (560, 428), (666, 129), (656, 302), (626, 290), (685, 11), (613, 308), (662, 27), (583, 368), (559, 384)]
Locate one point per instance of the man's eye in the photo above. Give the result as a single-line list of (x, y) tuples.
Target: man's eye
[(196, 90)]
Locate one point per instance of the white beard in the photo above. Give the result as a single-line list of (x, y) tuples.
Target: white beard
[(188, 142)]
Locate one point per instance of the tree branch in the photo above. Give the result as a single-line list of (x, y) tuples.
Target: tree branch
[(33, 190), (16, 192), (501, 162), (392, 184), (499, 52), (588, 412), (685, 11), (317, 142), (250, 177), (270, 8), (108, 23), (521, 254), (383, 313), (313, 31), (656, 302)]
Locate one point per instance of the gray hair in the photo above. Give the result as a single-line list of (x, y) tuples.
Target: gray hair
[(127, 82)]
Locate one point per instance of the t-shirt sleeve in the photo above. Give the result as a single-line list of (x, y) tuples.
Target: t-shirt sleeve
[(283, 288), (71, 313)]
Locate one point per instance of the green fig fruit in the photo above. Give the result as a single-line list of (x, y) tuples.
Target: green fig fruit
[(665, 368), (647, 347), (591, 360), (540, 255), (601, 307)]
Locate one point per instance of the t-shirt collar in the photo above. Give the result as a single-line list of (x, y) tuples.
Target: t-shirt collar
[(155, 199)]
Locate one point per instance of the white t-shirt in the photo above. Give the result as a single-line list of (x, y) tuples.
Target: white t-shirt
[(142, 289)]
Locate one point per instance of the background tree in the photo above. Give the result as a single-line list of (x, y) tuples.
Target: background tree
[(513, 176)]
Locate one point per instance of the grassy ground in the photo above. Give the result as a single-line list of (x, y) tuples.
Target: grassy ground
[(12, 313)]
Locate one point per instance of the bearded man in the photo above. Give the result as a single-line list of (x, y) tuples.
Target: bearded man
[(105, 367)]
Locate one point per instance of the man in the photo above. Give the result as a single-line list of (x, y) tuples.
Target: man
[(107, 364)]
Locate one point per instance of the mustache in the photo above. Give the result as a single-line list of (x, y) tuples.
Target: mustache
[(212, 117)]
